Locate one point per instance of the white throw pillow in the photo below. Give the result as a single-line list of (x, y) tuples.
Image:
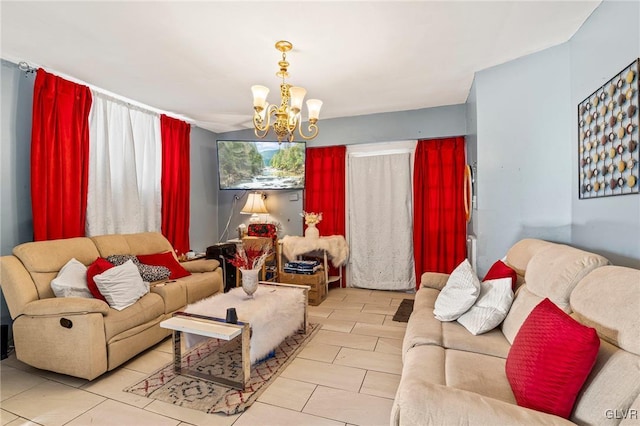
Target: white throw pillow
[(459, 294), (491, 308), (121, 285), (71, 281)]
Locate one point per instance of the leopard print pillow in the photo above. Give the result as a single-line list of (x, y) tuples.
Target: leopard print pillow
[(149, 273)]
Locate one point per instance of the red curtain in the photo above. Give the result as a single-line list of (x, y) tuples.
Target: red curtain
[(175, 182), (440, 227), (325, 189), (59, 157)]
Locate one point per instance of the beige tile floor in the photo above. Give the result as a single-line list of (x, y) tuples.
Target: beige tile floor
[(347, 375)]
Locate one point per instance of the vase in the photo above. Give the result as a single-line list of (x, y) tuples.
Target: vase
[(311, 231), (250, 280)]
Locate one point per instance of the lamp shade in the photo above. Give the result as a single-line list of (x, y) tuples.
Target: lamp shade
[(254, 204), (260, 96), (314, 105)]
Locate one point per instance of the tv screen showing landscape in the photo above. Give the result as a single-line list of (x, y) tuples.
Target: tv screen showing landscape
[(254, 165)]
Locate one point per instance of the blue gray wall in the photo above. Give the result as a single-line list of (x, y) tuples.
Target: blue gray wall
[(606, 44), (16, 222), (523, 114), (523, 152), (203, 230)]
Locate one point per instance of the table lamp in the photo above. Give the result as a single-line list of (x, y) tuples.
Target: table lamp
[(253, 206)]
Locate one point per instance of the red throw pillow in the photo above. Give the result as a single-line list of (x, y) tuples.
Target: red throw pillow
[(96, 268), (165, 259), (550, 359), (501, 270)]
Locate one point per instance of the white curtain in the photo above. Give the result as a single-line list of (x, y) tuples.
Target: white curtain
[(380, 221), (124, 168)]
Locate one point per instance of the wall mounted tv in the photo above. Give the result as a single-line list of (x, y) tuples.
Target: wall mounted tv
[(257, 165)]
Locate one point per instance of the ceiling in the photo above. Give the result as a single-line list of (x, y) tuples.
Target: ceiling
[(198, 59)]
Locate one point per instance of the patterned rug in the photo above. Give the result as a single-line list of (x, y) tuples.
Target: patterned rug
[(404, 311), (215, 356)]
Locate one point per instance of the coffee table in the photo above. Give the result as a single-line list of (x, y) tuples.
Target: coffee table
[(274, 312)]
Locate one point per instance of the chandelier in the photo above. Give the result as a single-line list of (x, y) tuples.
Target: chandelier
[(287, 116)]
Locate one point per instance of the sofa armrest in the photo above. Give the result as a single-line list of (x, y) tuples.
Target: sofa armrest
[(65, 306), (432, 404), (201, 265), (434, 280)]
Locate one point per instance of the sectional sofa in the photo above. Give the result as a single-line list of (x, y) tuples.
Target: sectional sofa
[(450, 376), (85, 337)]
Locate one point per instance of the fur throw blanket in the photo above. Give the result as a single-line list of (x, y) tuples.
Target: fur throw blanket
[(335, 246)]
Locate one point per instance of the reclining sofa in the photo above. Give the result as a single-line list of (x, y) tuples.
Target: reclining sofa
[(85, 337), (451, 376)]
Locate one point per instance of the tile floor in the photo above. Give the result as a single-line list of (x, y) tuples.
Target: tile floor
[(346, 375)]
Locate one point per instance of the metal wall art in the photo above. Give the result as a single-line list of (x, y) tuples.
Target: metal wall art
[(609, 154)]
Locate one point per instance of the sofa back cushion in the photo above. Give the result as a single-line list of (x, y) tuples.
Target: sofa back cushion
[(142, 243), (608, 299), (520, 253), (44, 259), (553, 273)]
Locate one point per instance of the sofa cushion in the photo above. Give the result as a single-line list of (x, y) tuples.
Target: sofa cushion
[(167, 260), (121, 285), (71, 281), (522, 305), (455, 336), (459, 294), (555, 271), (490, 308), (614, 311), (148, 308), (519, 255), (550, 359), (44, 259), (142, 243), (501, 270), (613, 384)]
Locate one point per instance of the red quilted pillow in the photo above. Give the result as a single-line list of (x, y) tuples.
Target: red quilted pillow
[(501, 270), (96, 268), (165, 259), (550, 359)]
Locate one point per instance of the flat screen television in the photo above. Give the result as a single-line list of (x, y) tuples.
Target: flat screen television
[(258, 165)]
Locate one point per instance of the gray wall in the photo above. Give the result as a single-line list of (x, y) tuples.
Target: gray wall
[(393, 126), (523, 153), (16, 222), (527, 139), (203, 229), (608, 225)]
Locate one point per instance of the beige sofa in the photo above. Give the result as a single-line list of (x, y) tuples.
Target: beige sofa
[(450, 376), (97, 338)]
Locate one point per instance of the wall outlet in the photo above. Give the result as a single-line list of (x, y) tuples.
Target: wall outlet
[(294, 197)]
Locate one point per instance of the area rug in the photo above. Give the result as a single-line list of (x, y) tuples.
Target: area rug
[(214, 356), (404, 311)]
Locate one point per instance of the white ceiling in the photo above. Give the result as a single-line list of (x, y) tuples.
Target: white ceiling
[(199, 59)]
